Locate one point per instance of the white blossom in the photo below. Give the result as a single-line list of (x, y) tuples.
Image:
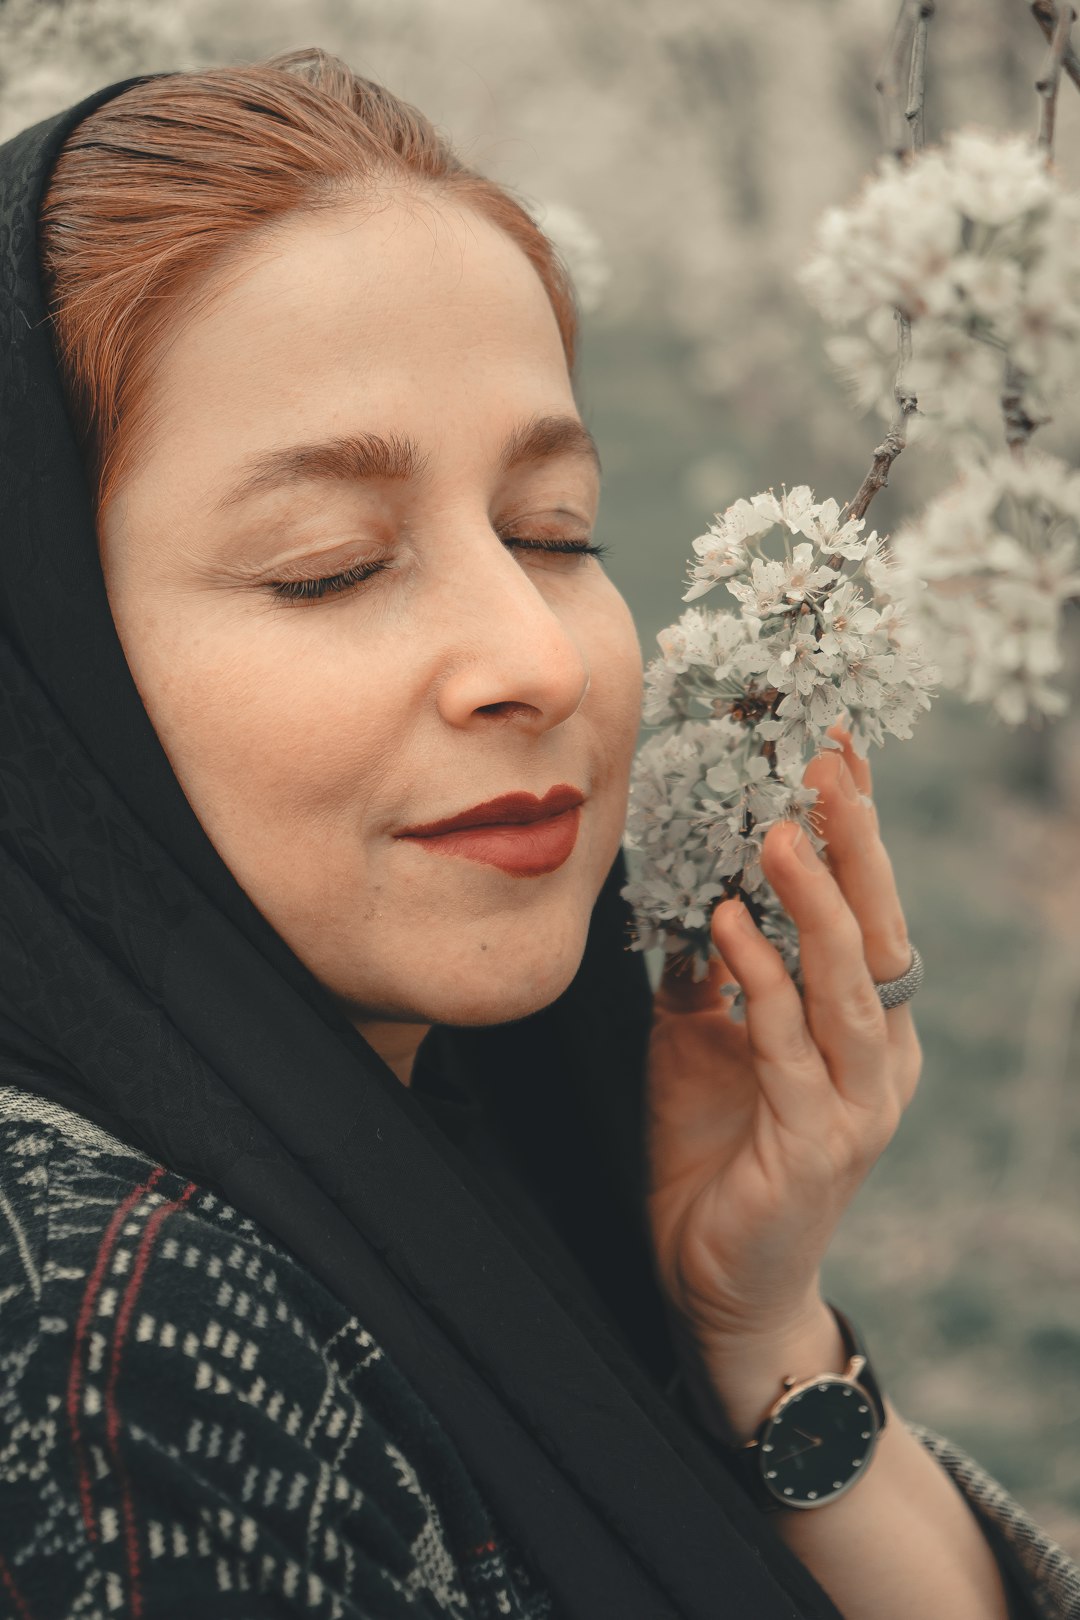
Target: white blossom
[(978, 243), (978, 246), (900, 240), (701, 802), (811, 641), (985, 573), (722, 550), (702, 655), (890, 246), (997, 179), (727, 551)]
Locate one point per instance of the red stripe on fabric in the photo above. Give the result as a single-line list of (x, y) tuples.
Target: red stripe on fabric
[(112, 1414), (22, 1608), (75, 1371)]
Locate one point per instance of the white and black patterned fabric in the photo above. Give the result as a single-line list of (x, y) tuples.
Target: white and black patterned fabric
[(190, 1422), (189, 1418)]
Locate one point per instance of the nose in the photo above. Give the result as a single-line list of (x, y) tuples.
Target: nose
[(512, 652)]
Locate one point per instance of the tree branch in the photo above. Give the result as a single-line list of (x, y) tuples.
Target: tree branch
[(1050, 77), (905, 56), (1019, 423), (917, 75), (878, 476), (918, 13), (887, 83), (1046, 16)]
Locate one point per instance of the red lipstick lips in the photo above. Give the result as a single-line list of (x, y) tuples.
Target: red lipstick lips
[(518, 832), (514, 809)]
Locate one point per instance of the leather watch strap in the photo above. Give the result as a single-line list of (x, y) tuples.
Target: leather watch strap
[(745, 1461), (854, 1346)]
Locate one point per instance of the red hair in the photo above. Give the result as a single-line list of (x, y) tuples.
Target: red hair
[(167, 180)]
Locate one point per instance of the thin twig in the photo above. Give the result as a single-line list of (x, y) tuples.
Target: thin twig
[(1050, 77), (920, 12), (1019, 423), (878, 476), (887, 83), (917, 76), (1046, 16)]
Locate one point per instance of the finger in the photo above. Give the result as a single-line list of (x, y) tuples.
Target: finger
[(788, 1064), (861, 867), (859, 768), (860, 864), (843, 1012)]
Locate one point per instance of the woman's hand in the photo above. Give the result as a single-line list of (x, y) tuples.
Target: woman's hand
[(759, 1134)]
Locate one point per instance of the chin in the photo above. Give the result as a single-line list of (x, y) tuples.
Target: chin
[(501, 1008), (502, 996), (475, 970), (493, 985)]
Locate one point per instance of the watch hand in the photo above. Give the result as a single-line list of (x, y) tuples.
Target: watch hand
[(799, 1450)]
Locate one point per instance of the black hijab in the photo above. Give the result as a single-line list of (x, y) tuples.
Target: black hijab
[(141, 987)]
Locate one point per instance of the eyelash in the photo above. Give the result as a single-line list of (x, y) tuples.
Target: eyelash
[(299, 590)]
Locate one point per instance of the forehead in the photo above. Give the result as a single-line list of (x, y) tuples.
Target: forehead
[(416, 313)]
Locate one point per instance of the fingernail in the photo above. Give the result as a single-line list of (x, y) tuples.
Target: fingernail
[(847, 782), (737, 913), (805, 850)]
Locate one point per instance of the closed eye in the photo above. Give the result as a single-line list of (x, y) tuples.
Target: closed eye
[(303, 590)]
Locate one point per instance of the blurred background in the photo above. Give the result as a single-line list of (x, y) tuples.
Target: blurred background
[(681, 151)]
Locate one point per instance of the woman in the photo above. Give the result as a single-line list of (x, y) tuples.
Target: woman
[(363, 1214)]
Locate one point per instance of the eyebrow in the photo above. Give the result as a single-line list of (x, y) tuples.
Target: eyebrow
[(353, 457)]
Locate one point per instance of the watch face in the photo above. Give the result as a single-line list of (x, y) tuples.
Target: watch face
[(819, 1442)]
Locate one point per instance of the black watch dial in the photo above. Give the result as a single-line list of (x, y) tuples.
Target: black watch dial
[(819, 1443)]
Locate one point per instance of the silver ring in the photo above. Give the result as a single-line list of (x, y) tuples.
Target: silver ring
[(893, 992)]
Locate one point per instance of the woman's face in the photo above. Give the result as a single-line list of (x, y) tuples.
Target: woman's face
[(308, 732)]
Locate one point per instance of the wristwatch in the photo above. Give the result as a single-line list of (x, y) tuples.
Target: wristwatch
[(818, 1437)]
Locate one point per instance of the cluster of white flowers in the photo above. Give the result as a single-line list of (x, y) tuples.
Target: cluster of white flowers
[(977, 245), (817, 637), (811, 642), (701, 802), (984, 575), (976, 242)]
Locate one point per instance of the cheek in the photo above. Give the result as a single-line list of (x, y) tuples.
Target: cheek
[(613, 709), (617, 672), (281, 744), (267, 735)]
